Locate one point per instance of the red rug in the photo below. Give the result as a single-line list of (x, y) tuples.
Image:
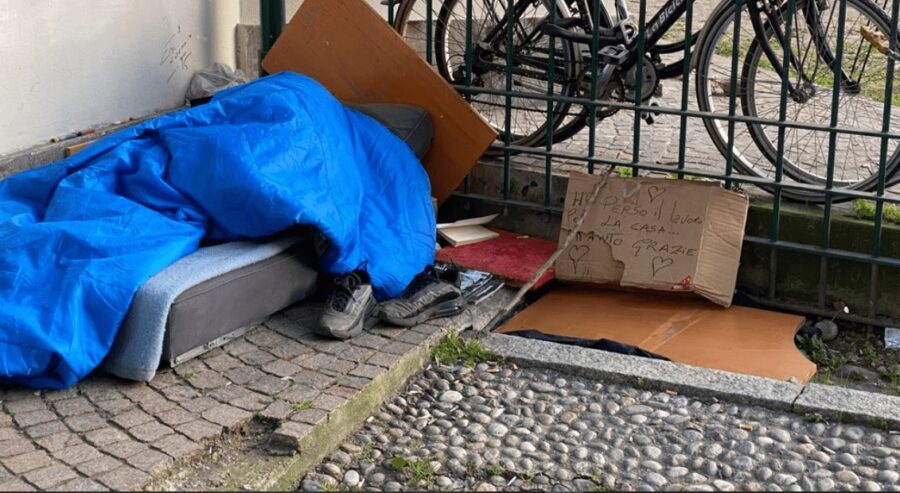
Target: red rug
[(509, 257)]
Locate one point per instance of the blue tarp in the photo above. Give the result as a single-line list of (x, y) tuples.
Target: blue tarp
[(78, 237)]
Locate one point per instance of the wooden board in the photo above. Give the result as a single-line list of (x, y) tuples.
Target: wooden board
[(691, 331), (351, 50)]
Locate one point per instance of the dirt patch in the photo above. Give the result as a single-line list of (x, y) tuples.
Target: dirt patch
[(857, 358), (223, 462)]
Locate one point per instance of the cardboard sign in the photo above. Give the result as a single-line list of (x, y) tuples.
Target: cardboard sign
[(347, 47), (667, 235)]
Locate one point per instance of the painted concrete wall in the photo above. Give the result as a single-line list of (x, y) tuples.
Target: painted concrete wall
[(68, 65)]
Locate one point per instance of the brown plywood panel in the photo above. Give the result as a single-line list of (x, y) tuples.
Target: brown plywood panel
[(690, 331), (347, 47)]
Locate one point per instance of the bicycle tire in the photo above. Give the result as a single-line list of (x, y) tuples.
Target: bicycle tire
[(720, 21)]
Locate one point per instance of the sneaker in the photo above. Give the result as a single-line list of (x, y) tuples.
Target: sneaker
[(349, 308), (431, 294)]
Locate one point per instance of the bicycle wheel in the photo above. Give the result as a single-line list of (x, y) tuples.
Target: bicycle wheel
[(806, 151), (531, 54)]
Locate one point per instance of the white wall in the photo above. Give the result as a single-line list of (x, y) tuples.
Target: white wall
[(67, 65)]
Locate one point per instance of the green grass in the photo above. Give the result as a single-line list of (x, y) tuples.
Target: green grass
[(418, 470), (814, 417), (687, 177), (826, 360), (641, 383), (495, 470), (879, 423), (454, 348), (301, 406), (865, 209), (624, 172)]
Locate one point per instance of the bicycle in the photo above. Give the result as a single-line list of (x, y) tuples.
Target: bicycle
[(869, 55)]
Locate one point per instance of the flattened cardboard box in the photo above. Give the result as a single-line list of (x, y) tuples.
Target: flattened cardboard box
[(660, 234), (348, 48)]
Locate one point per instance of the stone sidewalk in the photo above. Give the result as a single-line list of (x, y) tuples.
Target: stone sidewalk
[(119, 435)]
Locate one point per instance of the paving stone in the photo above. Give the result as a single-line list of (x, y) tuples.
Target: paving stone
[(370, 341), (278, 410), (356, 354), (27, 462), (281, 368), (265, 338), (132, 418), (26, 405), (124, 478), (327, 402), (157, 405), (226, 415), (178, 446), (76, 455), (82, 484), (256, 357), (99, 389), (207, 379), (73, 407), (19, 446), (238, 347), (385, 360), (46, 429), (199, 404), (268, 384), (139, 392), (165, 379), (286, 438), (48, 477), (328, 346), (299, 393), (150, 461), (345, 392), (412, 337), (397, 347), (98, 466), (150, 432), (125, 448), (357, 383), (9, 434), (104, 436), (314, 379), (310, 416), (289, 350), (314, 361), (176, 417), (223, 362), (200, 429), (15, 485), (85, 422), (367, 371), (54, 443), (244, 374), (179, 392), (116, 406), (337, 367), (31, 418), (252, 402), (58, 395)]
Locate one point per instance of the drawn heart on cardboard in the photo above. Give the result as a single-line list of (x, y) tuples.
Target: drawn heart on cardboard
[(654, 192), (660, 263), (576, 253)]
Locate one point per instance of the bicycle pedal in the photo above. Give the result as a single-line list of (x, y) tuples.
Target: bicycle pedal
[(613, 55)]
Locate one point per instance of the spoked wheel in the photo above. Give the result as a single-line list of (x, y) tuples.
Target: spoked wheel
[(861, 104), (531, 61)]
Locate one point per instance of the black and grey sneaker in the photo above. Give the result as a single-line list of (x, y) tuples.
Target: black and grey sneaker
[(431, 294), (349, 308)]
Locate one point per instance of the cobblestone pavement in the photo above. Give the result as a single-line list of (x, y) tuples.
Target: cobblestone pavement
[(108, 433), (499, 427)]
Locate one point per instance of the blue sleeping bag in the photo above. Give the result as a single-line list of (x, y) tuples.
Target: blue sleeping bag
[(78, 237)]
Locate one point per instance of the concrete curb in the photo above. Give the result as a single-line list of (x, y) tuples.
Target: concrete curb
[(835, 402)]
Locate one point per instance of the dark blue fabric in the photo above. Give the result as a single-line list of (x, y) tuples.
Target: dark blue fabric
[(78, 237)]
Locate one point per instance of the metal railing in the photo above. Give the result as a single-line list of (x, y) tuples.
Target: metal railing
[(529, 54)]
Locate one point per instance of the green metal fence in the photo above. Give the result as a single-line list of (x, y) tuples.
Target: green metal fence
[(798, 100), (826, 70)]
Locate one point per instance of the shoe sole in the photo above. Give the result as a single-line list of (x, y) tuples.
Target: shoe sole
[(445, 309), (366, 322)]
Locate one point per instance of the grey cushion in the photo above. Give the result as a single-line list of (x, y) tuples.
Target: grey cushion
[(411, 123)]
